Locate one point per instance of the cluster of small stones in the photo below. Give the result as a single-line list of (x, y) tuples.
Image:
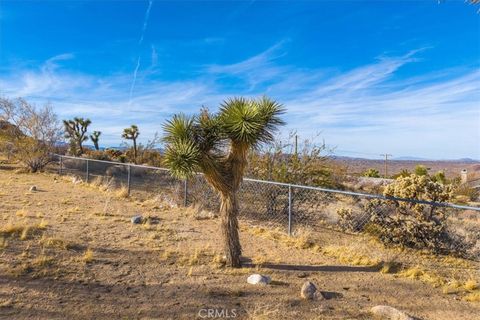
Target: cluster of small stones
[(310, 292)]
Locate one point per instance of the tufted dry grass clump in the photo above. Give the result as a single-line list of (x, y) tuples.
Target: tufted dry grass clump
[(88, 256), (419, 273), (473, 297), (122, 192), (347, 255)]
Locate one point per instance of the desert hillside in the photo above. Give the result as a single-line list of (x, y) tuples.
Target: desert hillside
[(452, 168)]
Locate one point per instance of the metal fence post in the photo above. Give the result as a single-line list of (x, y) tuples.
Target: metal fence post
[(61, 166), (87, 173), (289, 210), (129, 178), (185, 192)]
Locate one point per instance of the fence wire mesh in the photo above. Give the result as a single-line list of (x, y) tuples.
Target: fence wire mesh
[(334, 217)]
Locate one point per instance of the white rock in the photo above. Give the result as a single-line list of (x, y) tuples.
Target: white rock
[(389, 313), (309, 291), (33, 188), (258, 279)]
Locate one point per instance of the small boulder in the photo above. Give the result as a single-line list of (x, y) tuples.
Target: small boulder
[(258, 279), (389, 313), (136, 219), (33, 188), (309, 291)]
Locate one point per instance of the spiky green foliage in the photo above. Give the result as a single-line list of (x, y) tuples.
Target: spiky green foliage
[(200, 142), (76, 132)]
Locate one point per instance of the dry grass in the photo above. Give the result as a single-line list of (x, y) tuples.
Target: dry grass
[(350, 256), (42, 261), (418, 273), (50, 242), (263, 312), (6, 303), (471, 285), (122, 192), (88, 256), (3, 242), (21, 213), (472, 297)]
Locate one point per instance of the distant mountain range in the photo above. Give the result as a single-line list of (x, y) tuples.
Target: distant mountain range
[(409, 158)]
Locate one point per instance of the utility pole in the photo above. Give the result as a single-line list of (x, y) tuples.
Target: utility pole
[(296, 144), (386, 155)]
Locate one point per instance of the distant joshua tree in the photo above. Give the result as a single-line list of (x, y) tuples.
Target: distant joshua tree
[(94, 137), (218, 145), (76, 132), (132, 134)]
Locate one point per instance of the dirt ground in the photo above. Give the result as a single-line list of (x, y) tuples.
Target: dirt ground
[(69, 251)]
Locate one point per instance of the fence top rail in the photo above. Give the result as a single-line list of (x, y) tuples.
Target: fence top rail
[(113, 162), (350, 193)]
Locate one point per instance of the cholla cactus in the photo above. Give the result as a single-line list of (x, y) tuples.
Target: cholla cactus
[(410, 224)]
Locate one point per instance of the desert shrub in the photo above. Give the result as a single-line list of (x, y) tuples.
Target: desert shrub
[(440, 177), (30, 133), (403, 173), (281, 162), (113, 153), (414, 225), (98, 155), (421, 170), (371, 173), (463, 191)]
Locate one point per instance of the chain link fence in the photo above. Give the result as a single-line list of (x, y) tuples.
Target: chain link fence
[(332, 216)]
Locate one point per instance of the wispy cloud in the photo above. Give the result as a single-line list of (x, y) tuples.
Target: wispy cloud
[(370, 108), (137, 66), (145, 21)]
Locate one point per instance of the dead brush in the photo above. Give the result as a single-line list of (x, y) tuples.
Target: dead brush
[(423, 275), (263, 312), (473, 297), (22, 230), (88, 256), (350, 256), (122, 192), (3, 243), (50, 242)]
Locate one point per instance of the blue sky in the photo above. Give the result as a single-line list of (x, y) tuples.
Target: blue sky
[(371, 77)]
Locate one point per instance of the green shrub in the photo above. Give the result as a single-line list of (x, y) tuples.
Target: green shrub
[(372, 173), (421, 170)]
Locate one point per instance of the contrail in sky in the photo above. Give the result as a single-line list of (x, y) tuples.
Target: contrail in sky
[(145, 23)]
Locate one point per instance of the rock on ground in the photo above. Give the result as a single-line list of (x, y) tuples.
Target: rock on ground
[(136, 219), (33, 188), (309, 291), (258, 279), (389, 313)]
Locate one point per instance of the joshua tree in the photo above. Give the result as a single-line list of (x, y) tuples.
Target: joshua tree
[(218, 145), (94, 137), (132, 134), (76, 131)]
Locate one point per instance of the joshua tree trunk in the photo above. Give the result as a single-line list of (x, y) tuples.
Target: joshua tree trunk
[(229, 212), (135, 151), (80, 147)]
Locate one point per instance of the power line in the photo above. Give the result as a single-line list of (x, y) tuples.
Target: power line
[(386, 155)]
